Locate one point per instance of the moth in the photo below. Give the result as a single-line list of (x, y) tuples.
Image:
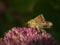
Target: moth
[(39, 23)]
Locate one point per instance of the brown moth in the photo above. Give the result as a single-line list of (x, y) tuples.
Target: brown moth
[(39, 23)]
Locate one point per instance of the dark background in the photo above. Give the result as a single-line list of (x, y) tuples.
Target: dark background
[(14, 13)]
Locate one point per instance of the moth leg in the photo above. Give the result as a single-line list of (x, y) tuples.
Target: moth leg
[(38, 29), (42, 30)]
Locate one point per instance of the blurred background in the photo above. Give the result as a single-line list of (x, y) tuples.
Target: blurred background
[(17, 12)]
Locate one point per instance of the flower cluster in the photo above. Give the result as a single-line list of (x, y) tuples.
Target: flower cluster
[(26, 36)]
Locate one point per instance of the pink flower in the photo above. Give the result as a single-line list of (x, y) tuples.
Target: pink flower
[(26, 36)]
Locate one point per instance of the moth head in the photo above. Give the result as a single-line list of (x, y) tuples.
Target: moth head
[(30, 21)]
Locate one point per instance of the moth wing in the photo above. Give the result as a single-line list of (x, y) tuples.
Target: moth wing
[(42, 17), (39, 18)]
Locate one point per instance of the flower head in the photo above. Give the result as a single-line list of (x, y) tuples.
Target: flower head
[(26, 36)]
